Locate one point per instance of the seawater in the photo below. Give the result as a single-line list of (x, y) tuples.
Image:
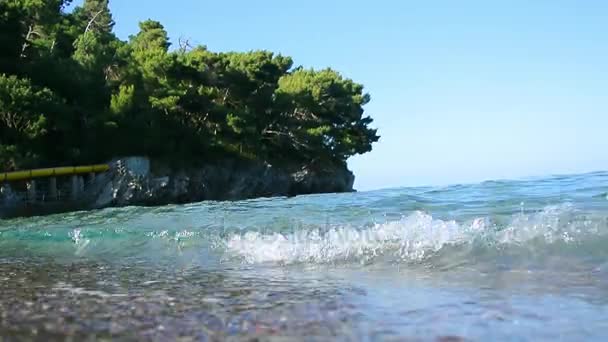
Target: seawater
[(500, 260)]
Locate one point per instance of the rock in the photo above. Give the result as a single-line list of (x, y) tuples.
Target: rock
[(139, 181), (8, 199), (134, 183), (7, 196), (106, 196)]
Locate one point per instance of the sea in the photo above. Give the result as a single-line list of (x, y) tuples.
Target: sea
[(504, 260)]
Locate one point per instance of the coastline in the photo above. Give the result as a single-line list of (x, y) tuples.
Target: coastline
[(139, 181)]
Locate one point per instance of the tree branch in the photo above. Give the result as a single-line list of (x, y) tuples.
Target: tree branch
[(28, 36), (92, 21), (184, 45)]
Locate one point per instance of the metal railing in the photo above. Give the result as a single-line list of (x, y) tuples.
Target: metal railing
[(52, 172)]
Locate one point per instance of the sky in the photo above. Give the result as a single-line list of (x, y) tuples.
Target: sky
[(462, 91)]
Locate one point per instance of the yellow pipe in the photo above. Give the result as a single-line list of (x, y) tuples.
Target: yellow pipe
[(57, 171)]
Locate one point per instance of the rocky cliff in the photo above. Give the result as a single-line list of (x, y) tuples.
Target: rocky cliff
[(136, 181)]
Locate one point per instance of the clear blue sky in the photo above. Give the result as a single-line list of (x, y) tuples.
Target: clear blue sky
[(462, 91)]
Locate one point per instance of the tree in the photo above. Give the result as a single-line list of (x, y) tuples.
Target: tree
[(93, 47), (23, 109), (150, 52), (38, 20), (94, 16), (322, 112), (25, 112), (68, 83)]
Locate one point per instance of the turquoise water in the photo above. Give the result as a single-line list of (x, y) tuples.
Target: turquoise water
[(516, 260)]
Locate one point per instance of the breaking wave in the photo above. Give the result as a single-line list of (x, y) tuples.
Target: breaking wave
[(420, 237)]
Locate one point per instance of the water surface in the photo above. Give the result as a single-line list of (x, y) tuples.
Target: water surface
[(517, 260)]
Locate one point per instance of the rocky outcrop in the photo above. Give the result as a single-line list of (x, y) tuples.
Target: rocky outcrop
[(136, 181), (140, 182)]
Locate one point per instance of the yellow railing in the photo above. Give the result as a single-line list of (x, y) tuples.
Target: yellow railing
[(51, 172)]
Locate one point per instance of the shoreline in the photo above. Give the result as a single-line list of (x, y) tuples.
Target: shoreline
[(139, 181)]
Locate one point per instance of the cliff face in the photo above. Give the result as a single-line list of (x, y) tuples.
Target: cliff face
[(135, 182)]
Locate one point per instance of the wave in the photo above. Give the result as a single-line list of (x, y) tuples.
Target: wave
[(419, 237), (560, 230)]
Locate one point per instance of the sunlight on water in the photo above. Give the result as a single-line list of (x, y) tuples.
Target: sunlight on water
[(523, 260)]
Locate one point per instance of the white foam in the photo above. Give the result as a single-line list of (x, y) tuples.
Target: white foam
[(80, 242), (412, 238), (549, 225)]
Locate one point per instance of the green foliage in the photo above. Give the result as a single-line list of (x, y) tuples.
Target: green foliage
[(94, 16), (27, 113), (71, 92), (122, 102), (324, 112), (23, 109)]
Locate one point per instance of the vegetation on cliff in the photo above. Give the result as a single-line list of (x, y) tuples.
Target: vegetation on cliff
[(72, 92)]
